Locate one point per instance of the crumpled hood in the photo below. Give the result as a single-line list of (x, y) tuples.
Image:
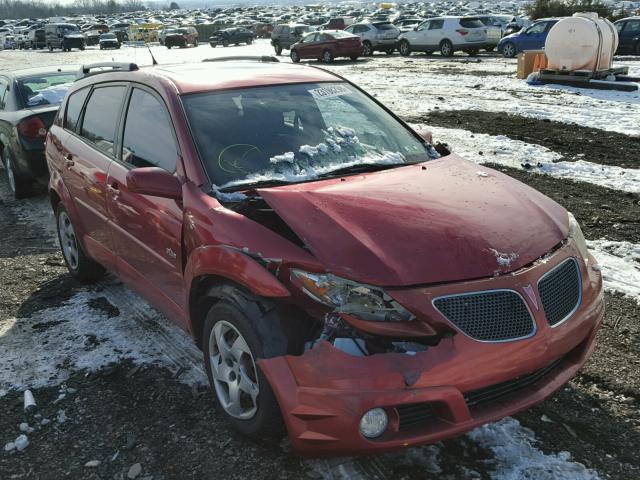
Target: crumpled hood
[(442, 221)]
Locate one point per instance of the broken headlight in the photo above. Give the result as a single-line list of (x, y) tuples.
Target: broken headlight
[(575, 233), (362, 301)]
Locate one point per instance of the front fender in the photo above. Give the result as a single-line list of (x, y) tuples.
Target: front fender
[(233, 264)]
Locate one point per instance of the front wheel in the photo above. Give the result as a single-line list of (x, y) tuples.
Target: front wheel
[(404, 48), (233, 340), (278, 48), (295, 57), (509, 50), (80, 266), (195, 43), (367, 48), (446, 48)]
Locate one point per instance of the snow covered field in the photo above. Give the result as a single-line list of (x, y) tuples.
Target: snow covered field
[(79, 334)]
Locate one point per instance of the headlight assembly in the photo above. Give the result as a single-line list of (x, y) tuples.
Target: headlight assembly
[(362, 301), (575, 233)]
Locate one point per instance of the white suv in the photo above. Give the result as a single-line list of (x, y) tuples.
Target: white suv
[(446, 34), (376, 36)]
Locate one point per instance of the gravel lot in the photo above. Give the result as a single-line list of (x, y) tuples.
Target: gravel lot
[(130, 384)]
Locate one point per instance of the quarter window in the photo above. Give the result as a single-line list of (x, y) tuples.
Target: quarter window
[(101, 116), (74, 107), (148, 135)]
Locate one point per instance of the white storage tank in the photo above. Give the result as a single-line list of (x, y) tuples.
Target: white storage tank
[(581, 42)]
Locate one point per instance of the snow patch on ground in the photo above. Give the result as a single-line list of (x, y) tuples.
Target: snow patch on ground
[(620, 263), (43, 349), (483, 148), (517, 458)]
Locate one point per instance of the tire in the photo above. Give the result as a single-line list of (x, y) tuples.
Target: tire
[(390, 51), (472, 52), (354, 57), (50, 47), (81, 48), (404, 48), (80, 266), (327, 56), (20, 188), (225, 43), (490, 49), (238, 322), (295, 58), (195, 43), (428, 52), (446, 48), (249, 41), (509, 50), (278, 48), (169, 47), (367, 48)]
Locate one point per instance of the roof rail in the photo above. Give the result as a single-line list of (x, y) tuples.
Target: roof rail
[(105, 67), (249, 58)]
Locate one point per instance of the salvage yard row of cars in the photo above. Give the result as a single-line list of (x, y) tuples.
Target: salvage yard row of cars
[(347, 279)]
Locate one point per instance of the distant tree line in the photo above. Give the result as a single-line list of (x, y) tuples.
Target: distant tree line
[(17, 9), (564, 8)]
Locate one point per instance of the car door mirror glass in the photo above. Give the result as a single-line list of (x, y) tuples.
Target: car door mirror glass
[(155, 182)]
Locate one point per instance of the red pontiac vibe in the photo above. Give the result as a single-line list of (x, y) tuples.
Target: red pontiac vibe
[(336, 270)]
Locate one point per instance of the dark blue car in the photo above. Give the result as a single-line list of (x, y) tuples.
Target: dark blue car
[(530, 38), (629, 35)]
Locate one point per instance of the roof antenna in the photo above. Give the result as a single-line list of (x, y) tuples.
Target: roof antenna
[(153, 59)]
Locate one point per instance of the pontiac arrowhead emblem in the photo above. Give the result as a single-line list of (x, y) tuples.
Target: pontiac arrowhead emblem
[(528, 289)]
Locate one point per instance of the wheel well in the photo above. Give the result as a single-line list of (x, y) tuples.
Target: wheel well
[(54, 199), (445, 40)]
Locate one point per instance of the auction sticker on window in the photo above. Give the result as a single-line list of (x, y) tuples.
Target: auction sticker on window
[(330, 91)]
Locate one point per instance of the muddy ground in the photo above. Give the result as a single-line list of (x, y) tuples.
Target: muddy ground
[(573, 141)]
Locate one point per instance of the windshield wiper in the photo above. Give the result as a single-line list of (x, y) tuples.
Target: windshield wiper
[(254, 185), (363, 167)]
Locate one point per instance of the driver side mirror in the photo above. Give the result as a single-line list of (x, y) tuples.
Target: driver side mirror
[(155, 182)]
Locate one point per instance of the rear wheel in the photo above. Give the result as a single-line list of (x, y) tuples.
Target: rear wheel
[(225, 43), (20, 188), (295, 58), (195, 42), (79, 265), (509, 50), (236, 334), (367, 48), (404, 48), (327, 56), (446, 48), (278, 48)]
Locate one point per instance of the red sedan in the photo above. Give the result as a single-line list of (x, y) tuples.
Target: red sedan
[(327, 45), (337, 271)]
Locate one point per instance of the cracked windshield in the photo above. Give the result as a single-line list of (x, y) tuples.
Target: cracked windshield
[(292, 133)]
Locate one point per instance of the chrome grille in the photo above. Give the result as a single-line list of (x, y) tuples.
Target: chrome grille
[(492, 316), (561, 291)]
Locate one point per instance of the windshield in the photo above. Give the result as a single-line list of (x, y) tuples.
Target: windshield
[(46, 89), (294, 133)]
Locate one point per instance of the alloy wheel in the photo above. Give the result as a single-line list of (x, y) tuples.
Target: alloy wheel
[(68, 240), (445, 49), (327, 57), (508, 50), (367, 49), (234, 371)]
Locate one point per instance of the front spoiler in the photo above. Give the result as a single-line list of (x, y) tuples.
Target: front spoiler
[(324, 393)]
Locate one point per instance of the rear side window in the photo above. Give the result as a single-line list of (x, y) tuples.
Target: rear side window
[(471, 23), (148, 135), (74, 107), (101, 116)]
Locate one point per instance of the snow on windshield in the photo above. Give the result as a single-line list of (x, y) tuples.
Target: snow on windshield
[(294, 133)]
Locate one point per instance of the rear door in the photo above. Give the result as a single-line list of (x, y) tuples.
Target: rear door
[(630, 35), (533, 38), (88, 151), (147, 230)]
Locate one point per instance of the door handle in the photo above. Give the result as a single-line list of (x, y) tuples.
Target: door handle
[(69, 160)]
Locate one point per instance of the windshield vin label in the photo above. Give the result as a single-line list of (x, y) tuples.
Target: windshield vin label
[(327, 92)]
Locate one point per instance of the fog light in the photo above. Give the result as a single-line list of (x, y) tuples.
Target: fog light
[(373, 423)]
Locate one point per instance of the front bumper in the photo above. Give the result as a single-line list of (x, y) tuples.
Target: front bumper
[(324, 392)]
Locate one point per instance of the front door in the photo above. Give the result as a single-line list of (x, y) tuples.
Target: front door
[(147, 230)]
